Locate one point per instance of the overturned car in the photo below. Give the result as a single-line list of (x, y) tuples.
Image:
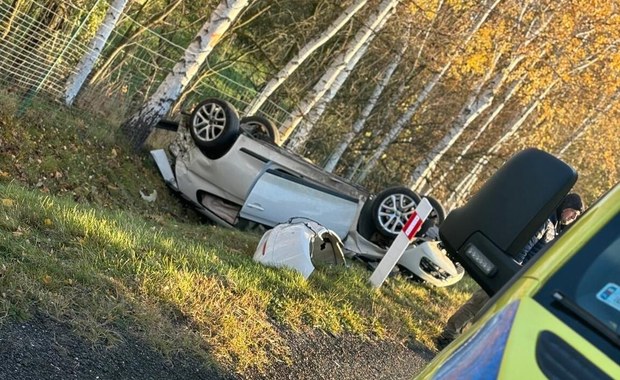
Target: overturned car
[(233, 172)]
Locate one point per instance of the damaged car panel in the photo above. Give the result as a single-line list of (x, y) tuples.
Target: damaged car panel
[(251, 179)]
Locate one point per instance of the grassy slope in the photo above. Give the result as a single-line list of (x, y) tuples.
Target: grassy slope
[(78, 243)]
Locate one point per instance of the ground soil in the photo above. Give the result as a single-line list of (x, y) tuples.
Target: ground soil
[(42, 348)]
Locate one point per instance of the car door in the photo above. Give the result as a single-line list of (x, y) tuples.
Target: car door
[(278, 196), (491, 229)]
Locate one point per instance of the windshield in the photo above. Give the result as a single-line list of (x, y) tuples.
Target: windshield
[(591, 281), (598, 291)]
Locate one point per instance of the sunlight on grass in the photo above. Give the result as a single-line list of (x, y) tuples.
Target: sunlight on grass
[(189, 286)]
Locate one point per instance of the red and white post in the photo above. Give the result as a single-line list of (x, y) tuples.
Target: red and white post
[(401, 242)]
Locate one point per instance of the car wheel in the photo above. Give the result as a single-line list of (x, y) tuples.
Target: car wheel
[(438, 214), (365, 225), (435, 218), (260, 128), (214, 126), (391, 209)]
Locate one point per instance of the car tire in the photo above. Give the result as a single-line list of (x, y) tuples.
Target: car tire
[(391, 208), (214, 126), (435, 218), (439, 212), (261, 128), (365, 225)]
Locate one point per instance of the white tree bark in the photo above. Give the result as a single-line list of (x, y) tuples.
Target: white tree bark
[(334, 158), (588, 122), (307, 124), (302, 55), (399, 125), (339, 63), (530, 36), (352, 170), (475, 106), (462, 190), (183, 71), (496, 111), (428, 87), (88, 60)]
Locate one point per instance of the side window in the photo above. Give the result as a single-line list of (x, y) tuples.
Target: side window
[(591, 281), (598, 291)]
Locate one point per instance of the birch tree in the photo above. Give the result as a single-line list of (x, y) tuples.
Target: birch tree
[(464, 187), (588, 122), (421, 98), (140, 125), (497, 109), (302, 55), (339, 63), (474, 107), (348, 137), (129, 39), (302, 133), (478, 103), (352, 170), (88, 60)]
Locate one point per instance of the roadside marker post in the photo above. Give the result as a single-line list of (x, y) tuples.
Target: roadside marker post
[(401, 242)]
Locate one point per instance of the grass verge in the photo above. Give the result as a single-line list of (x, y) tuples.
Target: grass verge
[(78, 243)]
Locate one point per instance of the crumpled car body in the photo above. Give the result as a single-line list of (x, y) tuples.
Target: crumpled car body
[(256, 181), (301, 246)]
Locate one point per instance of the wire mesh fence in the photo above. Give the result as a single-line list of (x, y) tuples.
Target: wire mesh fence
[(42, 43)]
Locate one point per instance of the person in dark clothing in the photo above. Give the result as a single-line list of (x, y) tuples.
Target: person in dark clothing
[(543, 235), (568, 211)]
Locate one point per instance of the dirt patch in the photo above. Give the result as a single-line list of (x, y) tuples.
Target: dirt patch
[(42, 348), (45, 349)]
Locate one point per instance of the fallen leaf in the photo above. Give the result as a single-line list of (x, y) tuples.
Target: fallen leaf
[(47, 222), (7, 202), (47, 279)]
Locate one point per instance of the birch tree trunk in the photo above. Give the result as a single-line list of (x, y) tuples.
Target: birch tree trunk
[(462, 190), (339, 63), (302, 55), (352, 170), (399, 125), (308, 124), (78, 77), (496, 111), (535, 29), (475, 106), (430, 85), (128, 39), (590, 120), (140, 125), (334, 158), (465, 186)]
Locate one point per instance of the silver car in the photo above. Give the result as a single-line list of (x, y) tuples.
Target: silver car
[(234, 172)]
